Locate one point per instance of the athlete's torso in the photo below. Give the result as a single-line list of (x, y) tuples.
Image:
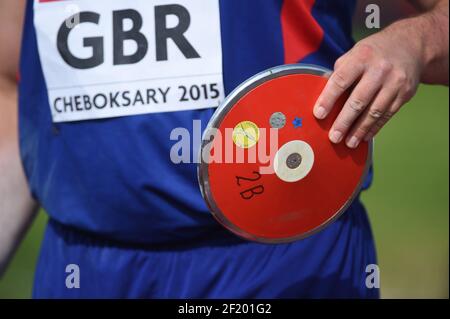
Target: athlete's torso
[(101, 95)]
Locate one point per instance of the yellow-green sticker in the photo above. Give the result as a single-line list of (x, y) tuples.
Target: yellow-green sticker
[(245, 134)]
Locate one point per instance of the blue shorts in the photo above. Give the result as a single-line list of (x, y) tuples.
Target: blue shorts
[(329, 264)]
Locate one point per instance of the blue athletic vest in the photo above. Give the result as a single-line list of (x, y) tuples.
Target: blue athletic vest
[(113, 176)]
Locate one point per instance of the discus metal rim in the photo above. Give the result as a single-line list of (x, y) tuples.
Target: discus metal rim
[(214, 124)]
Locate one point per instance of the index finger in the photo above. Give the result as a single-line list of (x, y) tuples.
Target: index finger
[(340, 81)]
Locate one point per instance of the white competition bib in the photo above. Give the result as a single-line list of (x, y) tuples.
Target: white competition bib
[(108, 58)]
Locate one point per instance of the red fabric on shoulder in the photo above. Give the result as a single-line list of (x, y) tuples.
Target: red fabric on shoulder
[(302, 34)]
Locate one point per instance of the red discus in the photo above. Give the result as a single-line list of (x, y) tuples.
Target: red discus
[(268, 171)]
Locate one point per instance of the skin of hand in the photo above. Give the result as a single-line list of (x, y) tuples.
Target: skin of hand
[(17, 208), (384, 71)]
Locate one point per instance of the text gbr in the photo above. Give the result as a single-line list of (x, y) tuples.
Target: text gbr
[(120, 35)]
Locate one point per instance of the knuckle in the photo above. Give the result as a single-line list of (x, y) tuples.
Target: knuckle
[(377, 126), (387, 116), (401, 77), (340, 81), (357, 105), (364, 51), (338, 62), (362, 130), (343, 127), (376, 113), (385, 66), (408, 91), (343, 124)]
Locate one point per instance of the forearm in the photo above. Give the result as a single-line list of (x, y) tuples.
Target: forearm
[(429, 33), (17, 208)]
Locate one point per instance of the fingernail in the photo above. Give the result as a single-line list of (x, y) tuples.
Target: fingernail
[(335, 136), (320, 112), (353, 142)]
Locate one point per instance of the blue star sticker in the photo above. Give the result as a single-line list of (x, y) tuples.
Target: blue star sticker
[(298, 122)]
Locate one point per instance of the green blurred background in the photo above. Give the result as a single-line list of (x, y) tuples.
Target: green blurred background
[(408, 203)]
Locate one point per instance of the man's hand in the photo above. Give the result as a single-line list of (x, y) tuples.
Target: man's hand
[(384, 71)]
